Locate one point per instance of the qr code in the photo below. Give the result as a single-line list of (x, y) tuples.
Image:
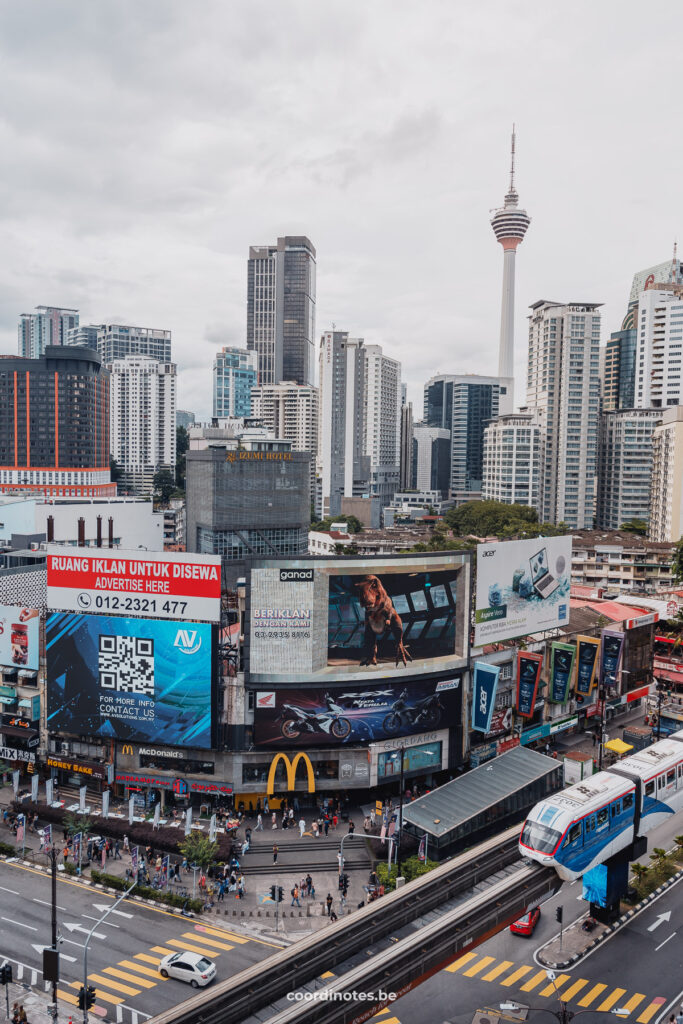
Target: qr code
[(126, 664)]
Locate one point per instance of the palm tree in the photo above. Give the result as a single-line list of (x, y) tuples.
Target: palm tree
[(678, 840), (640, 871), (659, 856)]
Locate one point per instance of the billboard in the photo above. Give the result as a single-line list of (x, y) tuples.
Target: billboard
[(318, 717), (522, 588), (528, 677), (484, 695), (610, 656), (356, 619), (561, 669), (19, 637), (588, 648), (162, 584), (129, 679)]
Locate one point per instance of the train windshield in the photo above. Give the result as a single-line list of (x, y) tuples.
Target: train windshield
[(540, 837)]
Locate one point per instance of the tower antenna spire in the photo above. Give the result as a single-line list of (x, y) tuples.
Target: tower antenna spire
[(512, 161), (674, 262)]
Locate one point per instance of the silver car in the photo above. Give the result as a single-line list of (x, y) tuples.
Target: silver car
[(191, 967)]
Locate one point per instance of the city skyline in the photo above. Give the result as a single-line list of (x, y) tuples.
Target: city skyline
[(163, 240)]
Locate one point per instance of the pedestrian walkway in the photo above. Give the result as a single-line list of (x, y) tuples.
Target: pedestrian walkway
[(579, 993)]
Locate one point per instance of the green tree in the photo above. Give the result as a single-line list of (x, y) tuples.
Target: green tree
[(198, 849), (324, 525), (491, 518), (75, 823), (635, 526), (677, 563), (182, 444), (164, 485)]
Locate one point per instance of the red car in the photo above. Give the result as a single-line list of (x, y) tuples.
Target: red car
[(525, 925)]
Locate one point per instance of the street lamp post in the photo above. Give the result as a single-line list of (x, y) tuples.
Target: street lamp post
[(400, 817), (87, 941), (602, 697)]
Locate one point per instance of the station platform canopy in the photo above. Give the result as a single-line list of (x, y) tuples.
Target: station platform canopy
[(484, 801)]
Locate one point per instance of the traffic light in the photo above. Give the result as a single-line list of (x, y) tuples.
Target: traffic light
[(273, 893), (280, 893), (558, 915), (81, 998), (86, 997), (6, 974)]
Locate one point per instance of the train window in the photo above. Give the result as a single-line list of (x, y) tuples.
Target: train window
[(616, 807), (671, 777), (649, 788), (602, 816), (573, 833), (628, 801), (661, 782), (680, 771)]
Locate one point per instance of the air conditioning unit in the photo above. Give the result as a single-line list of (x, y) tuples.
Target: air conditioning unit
[(35, 546), (64, 748)]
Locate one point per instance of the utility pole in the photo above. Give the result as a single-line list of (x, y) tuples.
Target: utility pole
[(55, 980), (85, 948), (400, 816), (602, 697)]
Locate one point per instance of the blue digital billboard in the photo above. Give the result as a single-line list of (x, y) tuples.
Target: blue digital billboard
[(129, 679)]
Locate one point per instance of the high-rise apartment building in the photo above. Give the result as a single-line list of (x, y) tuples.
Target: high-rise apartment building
[(290, 412), (666, 492), (54, 424), (360, 421), (143, 419), (116, 341), (431, 459), (281, 310), (464, 404), (659, 351), (513, 460), (563, 384), (625, 466), (234, 375), (405, 475), (84, 335), (47, 325)]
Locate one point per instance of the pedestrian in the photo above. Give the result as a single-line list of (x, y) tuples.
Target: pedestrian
[(327, 826), (266, 806), (314, 829), (285, 819), (352, 827), (335, 821), (295, 896), (302, 827), (366, 823), (126, 845), (309, 884), (247, 834), (296, 804), (274, 854), (15, 1013), (273, 820), (291, 814), (679, 1017), (333, 916), (258, 805), (259, 823), (329, 901), (117, 851), (66, 854)]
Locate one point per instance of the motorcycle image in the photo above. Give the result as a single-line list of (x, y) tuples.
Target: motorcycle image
[(295, 721), (426, 712)]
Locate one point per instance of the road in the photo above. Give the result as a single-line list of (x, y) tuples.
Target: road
[(124, 952)]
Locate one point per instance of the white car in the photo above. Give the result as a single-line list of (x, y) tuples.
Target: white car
[(191, 967)]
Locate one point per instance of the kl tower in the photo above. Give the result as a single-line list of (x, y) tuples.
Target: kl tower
[(510, 226)]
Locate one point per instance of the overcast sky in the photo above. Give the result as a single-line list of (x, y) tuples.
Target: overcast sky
[(145, 144)]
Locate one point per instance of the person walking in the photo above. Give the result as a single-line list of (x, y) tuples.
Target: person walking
[(259, 823), (302, 827), (117, 851), (126, 845), (309, 884), (327, 827), (273, 819), (329, 901), (295, 896), (335, 821), (352, 827), (275, 852)]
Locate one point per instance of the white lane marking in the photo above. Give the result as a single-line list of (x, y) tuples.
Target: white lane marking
[(657, 948), (47, 904), (71, 942), (5, 889), (105, 906), (666, 916), (20, 924), (74, 926), (110, 924)]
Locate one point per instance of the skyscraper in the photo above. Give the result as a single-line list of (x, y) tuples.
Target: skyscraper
[(563, 384), (234, 375), (47, 325), (290, 412), (143, 421), (666, 492), (116, 341), (510, 225), (659, 347), (431, 462), (625, 466), (513, 459), (281, 310)]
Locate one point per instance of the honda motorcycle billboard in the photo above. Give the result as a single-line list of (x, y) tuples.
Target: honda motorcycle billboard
[(353, 619), (313, 718)]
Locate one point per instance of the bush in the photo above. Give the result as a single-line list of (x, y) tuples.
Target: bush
[(7, 850), (172, 899), (411, 868)]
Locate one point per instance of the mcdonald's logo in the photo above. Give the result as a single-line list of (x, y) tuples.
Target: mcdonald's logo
[(127, 749), (290, 768)]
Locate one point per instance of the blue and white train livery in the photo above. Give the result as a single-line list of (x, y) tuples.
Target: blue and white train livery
[(587, 823)]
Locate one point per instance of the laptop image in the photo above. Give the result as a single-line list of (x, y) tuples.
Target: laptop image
[(541, 577)]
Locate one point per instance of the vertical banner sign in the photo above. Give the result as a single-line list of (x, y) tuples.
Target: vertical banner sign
[(484, 695), (105, 804), (81, 797), (212, 828), (164, 871), (34, 788), (77, 848), (47, 838), (15, 782), (610, 657), (134, 862), (561, 668), (131, 810), (49, 791), (421, 849), (21, 825), (157, 814), (528, 677), (188, 821), (587, 663)]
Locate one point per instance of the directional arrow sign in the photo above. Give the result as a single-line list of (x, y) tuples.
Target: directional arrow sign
[(73, 926), (63, 956), (660, 919), (105, 906)]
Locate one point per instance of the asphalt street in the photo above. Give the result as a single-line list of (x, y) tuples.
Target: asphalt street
[(123, 953)]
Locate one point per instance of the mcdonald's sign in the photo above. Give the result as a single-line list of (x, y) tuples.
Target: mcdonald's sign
[(127, 749), (290, 768)]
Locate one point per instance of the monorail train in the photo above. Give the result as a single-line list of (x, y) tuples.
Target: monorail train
[(585, 824)]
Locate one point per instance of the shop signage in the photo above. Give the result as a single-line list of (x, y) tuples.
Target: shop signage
[(537, 733), (290, 768), (10, 754), (507, 744), (567, 723), (484, 695), (154, 752), (481, 753), (643, 620), (180, 786), (528, 676), (408, 741), (92, 768), (642, 691), (561, 669), (588, 650), (610, 656)]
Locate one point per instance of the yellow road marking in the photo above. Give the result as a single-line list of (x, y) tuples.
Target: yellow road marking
[(117, 986), (649, 1012), (500, 969), (465, 959), (143, 970), (592, 995), (161, 949), (330, 974), (554, 986), (194, 949), (104, 996), (608, 1003), (214, 943), (633, 1002), (127, 976), (67, 997), (533, 982), (147, 958), (573, 989), (231, 937), (484, 962), (389, 1020), (516, 975)]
